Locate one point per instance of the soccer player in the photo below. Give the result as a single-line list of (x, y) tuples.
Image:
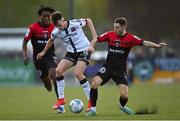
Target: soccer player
[(39, 32), (120, 43), (78, 52)]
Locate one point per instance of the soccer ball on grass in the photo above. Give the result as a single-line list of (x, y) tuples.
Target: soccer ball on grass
[(76, 106)]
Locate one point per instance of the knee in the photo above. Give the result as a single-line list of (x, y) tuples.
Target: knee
[(95, 84), (77, 74), (59, 72), (124, 94)]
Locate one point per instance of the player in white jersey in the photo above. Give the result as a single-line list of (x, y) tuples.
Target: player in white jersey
[(78, 53)]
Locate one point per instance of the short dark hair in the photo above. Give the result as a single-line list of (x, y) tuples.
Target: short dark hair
[(44, 8), (55, 17), (121, 20)]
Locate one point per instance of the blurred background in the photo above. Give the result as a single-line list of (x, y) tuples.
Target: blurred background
[(153, 20)]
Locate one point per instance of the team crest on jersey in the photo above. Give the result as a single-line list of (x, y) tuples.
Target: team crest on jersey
[(102, 70), (117, 43), (45, 35), (73, 29)]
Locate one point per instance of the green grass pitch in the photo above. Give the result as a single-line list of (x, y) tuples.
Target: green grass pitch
[(34, 103)]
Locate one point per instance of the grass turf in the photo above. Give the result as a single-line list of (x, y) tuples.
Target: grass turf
[(34, 103)]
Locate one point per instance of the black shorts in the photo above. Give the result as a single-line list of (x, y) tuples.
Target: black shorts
[(43, 65), (106, 74), (79, 56)]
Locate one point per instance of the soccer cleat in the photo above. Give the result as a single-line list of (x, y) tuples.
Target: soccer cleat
[(61, 109), (91, 113), (59, 102), (89, 106), (127, 110)]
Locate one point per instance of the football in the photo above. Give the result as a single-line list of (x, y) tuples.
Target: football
[(76, 106)]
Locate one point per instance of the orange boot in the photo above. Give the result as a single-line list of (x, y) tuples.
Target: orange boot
[(89, 106), (59, 102)]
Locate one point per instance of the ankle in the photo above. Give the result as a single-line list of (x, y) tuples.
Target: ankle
[(93, 109)]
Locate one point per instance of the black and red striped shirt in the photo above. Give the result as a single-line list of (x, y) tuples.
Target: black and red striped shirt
[(39, 36), (119, 48)]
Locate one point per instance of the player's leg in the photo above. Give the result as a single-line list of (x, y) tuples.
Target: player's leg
[(101, 78), (83, 61), (122, 83), (69, 60), (94, 94), (51, 64), (47, 83), (78, 71), (123, 90), (124, 98), (61, 68), (52, 76), (43, 74)]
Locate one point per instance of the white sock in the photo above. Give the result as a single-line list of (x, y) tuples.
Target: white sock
[(93, 109), (60, 88), (86, 89)]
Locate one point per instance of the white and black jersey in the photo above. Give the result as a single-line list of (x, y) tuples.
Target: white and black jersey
[(73, 36)]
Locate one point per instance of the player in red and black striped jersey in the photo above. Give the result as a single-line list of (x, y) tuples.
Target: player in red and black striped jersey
[(120, 43), (39, 33)]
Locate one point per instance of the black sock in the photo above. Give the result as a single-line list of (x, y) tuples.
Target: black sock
[(93, 97), (59, 78), (123, 100), (83, 81)]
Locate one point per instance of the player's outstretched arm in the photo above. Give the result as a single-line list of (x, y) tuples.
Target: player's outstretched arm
[(91, 27), (94, 34), (25, 53), (153, 45), (48, 45), (93, 42)]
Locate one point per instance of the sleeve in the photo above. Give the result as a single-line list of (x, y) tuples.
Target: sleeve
[(103, 37), (82, 22), (137, 41), (54, 34), (28, 34)]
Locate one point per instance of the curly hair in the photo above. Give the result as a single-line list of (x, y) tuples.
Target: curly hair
[(45, 8)]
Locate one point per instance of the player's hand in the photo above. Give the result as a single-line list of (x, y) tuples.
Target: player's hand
[(26, 60), (162, 44), (91, 49), (40, 55)]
